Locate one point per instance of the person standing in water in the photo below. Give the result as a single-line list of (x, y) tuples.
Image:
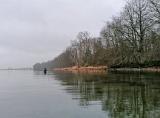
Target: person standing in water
[(45, 71)]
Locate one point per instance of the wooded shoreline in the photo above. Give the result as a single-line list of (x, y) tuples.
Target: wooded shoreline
[(130, 40)]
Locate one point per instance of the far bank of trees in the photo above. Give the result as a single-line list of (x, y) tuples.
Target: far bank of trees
[(130, 40)]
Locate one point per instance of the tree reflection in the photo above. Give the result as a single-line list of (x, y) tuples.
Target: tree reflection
[(122, 95)]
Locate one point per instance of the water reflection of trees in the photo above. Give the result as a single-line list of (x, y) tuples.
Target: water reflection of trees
[(122, 95)]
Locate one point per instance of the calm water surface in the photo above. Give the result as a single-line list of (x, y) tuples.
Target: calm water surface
[(30, 94)]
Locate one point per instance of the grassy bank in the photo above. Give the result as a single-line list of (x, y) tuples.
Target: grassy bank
[(89, 69), (102, 69)]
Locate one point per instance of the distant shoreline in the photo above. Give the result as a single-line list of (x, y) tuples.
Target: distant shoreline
[(17, 69)]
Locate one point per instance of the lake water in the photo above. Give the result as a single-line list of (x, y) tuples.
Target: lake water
[(31, 94)]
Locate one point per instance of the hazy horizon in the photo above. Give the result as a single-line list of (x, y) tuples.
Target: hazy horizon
[(38, 30)]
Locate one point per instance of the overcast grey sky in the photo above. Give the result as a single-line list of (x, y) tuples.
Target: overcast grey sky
[(38, 30)]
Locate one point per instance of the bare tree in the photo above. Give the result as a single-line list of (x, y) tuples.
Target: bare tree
[(155, 8)]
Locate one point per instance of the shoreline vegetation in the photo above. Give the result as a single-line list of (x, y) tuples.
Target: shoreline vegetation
[(130, 41), (91, 69), (84, 70), (76, 68), (104, 69), (149, 69)]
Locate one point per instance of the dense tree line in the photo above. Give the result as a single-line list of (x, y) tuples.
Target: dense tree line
[(131, 39)]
